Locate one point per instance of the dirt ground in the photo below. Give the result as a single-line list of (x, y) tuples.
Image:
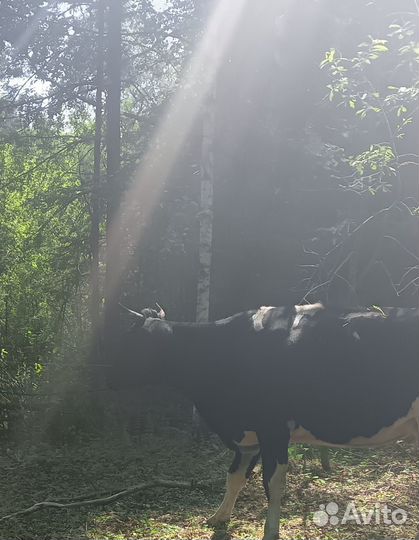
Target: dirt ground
[(374, 481)]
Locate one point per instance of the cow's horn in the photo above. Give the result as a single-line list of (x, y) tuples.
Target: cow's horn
[(161, 313), (132, 312)]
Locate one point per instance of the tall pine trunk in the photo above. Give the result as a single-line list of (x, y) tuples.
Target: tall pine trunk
[(113, 162), (96, 375)]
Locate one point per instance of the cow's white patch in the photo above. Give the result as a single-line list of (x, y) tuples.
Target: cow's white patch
[(301, 311), (403, 428), (249, 439), (297, 320), (356, 336), (307, 309), (258, 317)]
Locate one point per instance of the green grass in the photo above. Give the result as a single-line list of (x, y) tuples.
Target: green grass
[(389, 475)]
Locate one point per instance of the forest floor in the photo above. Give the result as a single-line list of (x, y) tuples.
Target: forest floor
[(370, 479)]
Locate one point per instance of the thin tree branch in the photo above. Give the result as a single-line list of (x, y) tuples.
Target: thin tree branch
[(101, 501), (403, 247)]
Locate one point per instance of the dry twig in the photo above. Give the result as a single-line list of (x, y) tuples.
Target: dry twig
[(101, 501)]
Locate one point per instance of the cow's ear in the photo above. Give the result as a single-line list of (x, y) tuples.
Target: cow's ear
[(161, 313)]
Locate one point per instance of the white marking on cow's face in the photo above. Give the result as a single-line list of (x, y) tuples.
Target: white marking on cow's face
[(258, 317), (404, 427)]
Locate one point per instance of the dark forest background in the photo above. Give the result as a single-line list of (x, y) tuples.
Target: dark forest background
[(303, 121)]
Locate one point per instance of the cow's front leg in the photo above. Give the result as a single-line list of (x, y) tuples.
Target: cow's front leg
[(274, 449), (240, 470)]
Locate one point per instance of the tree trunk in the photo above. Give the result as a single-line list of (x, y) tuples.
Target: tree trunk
[(206, 212), (113, 161), (205, 226), (95, 202)]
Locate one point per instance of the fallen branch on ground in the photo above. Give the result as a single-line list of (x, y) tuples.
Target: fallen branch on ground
[(101, 501)]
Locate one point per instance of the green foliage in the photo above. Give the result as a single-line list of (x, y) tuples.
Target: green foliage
[(364, 85), (44, 226), (46, 165), (374, 166)]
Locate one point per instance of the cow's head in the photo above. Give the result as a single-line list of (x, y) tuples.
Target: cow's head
[(137, 355), (146, 313)]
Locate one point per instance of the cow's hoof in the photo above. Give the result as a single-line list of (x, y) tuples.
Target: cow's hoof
[(218, 520)]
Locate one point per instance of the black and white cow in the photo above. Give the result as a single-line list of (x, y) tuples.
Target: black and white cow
[(266, 378)]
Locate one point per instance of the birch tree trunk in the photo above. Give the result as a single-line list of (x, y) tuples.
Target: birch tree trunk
[(206, 211), (205, 227)]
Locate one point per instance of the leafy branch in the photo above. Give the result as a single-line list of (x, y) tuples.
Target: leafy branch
[(353, 87)]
